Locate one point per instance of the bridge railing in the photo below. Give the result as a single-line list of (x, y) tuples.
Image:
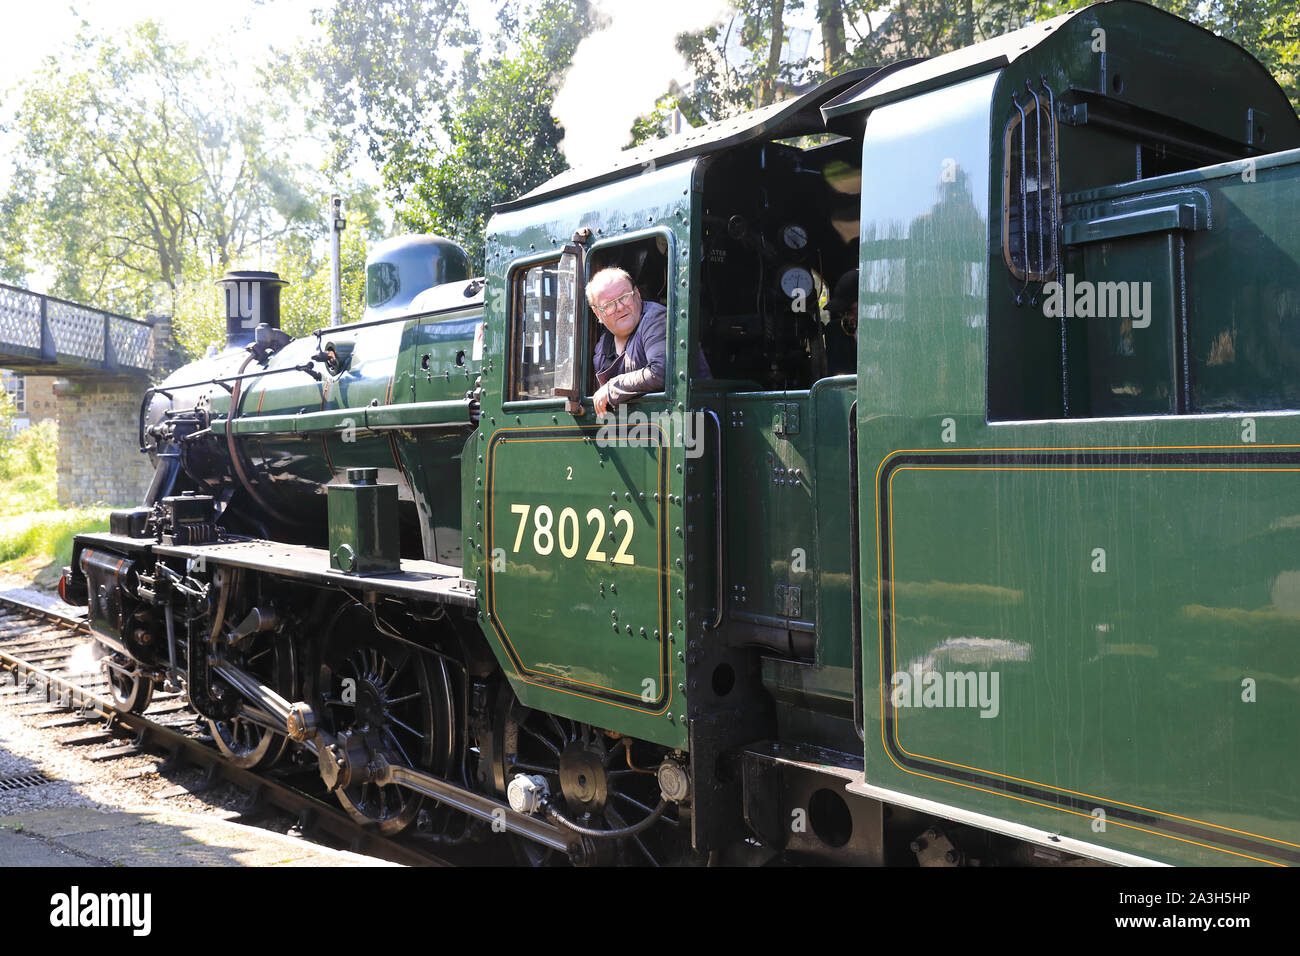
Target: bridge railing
[(42, 331)]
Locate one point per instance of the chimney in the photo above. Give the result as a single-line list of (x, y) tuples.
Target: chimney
[(251, 298)]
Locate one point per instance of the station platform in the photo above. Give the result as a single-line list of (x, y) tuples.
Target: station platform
[(86, 837)]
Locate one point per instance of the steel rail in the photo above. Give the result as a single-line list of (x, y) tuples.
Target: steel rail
[(324, 817)]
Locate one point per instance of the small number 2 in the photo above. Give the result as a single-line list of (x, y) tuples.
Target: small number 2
[(570, 467)]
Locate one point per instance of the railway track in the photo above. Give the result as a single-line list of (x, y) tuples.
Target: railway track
[(47, 656)]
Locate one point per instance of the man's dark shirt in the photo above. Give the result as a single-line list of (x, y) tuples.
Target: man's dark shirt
[(640, 368)]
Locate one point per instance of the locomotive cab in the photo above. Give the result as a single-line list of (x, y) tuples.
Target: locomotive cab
[(659, 572)]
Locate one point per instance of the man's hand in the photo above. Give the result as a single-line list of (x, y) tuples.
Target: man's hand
[(601, 399)]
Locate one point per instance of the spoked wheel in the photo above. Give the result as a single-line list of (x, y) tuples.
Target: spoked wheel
[(397, 699), (598, 780), (245, 744), (129, 689)]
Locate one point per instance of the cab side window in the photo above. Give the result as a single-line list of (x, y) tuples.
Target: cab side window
[(534, 292), (646, 262)]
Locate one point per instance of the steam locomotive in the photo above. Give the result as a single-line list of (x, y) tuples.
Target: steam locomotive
[(1000, 567)]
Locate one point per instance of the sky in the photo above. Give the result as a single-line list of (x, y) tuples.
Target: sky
[(47, 27)]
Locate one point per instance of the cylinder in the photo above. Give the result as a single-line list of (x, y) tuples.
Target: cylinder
[(251, 298)]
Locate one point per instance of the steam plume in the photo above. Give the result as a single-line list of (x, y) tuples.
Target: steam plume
[(619, 71)]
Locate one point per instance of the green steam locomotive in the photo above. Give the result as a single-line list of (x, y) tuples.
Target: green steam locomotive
[(990, 567)]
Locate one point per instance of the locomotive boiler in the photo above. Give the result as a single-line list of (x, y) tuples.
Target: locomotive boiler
[(998, 567)]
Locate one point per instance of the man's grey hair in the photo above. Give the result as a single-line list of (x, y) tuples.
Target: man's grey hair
[(605, 277)]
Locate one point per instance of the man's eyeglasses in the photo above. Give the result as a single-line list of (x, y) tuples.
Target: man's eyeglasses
[(613, 305)]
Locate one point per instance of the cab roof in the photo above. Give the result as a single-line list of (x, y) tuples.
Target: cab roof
[(800, 116)]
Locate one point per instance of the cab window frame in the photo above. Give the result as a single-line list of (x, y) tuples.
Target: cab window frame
[(514, 312), (589, 328), (592, 328), (1013, 195)]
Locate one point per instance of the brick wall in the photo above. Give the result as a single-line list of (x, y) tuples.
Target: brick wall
[(98, 461)]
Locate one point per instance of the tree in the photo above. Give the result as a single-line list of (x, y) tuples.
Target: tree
[(134, 165), (502, 139), (738, 63), (922, 28), (380, 76), (830, 14), (451, 122)]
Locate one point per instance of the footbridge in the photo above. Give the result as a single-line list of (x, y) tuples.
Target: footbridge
[(42, 335), (103, 363)]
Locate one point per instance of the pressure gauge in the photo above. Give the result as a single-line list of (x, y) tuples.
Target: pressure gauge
[(794, 236), (796, 280)]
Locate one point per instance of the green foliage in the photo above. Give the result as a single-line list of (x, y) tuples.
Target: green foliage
[(43, 540), (380, 75), (198, 321), (28, 473), (453, 123), (27, 470), (738, 67), (657, 123), (134, 167), (305, 304), (6, 417), (502, 139), (34, 532), (729, 80), (27, 465)]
